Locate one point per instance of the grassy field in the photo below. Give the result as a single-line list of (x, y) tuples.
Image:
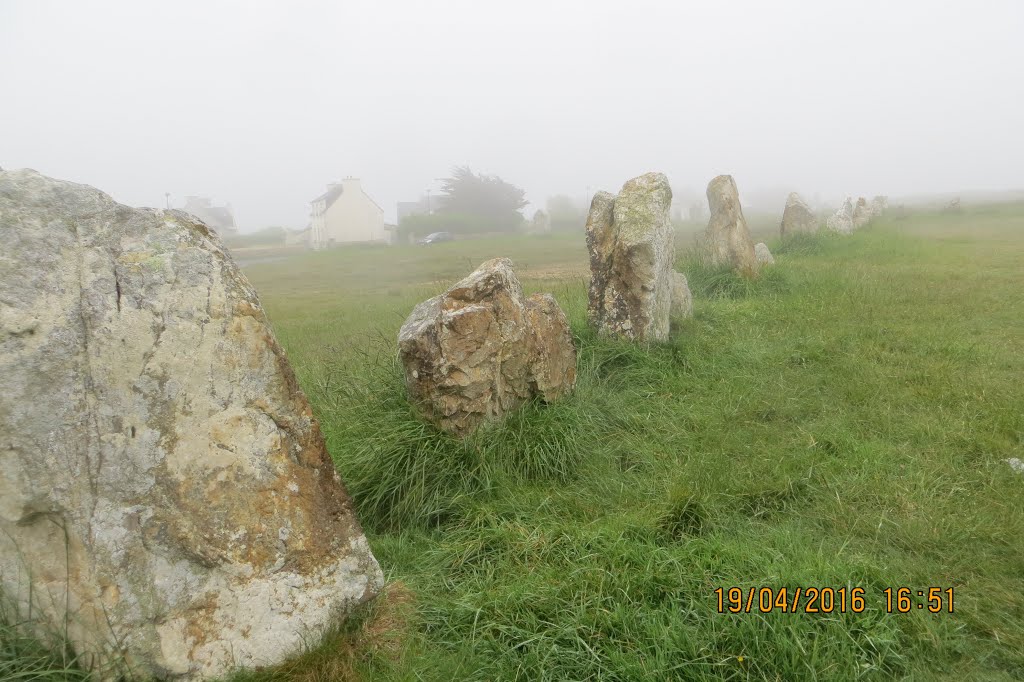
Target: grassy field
[(843, 421)]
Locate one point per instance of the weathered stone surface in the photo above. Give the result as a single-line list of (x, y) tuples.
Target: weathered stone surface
[(161, 473), (842, 220), (727, 238), (631, 245), (798, 217), (481, 349), (763, 255), (862, 213), (682, 299)]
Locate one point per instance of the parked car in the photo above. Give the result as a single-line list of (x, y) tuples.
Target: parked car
[(436, 237)]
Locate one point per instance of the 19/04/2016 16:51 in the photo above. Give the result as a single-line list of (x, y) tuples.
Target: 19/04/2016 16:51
[(935, 599)]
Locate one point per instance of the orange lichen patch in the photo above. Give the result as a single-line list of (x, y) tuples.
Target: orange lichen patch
[(200, 625), (110, 594), (233, 518)]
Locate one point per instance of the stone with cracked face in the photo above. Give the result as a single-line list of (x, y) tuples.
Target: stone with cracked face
[(631, 244), (163, 483), (482, 349)]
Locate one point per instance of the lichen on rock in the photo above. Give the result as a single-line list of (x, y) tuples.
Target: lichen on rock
[(482, 349), (164, 486), (631, 243)]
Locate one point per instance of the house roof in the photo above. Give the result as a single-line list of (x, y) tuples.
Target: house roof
[(335, 191), (220, 215), (331, 195)]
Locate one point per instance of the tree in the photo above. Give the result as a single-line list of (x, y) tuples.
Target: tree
[(565, 214), (487, 201)]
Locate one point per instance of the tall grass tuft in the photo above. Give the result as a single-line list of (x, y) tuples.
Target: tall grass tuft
[(403, 472), (31, 649)]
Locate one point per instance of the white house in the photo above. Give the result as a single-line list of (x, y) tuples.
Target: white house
[(346, 214), (220, 218)]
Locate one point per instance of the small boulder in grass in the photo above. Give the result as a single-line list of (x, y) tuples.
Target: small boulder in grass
[(482, 349), (682, 299), (763, 255)]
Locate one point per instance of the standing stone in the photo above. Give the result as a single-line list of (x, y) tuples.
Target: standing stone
[(631, 243), (682, 299), (798, 217), (163, 483), (842, 220), (763, 255), (727, 238), (541, 223), (879, 205), (481, 349), (861, 213)]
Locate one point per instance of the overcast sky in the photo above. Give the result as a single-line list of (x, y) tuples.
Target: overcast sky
[(261, 103)]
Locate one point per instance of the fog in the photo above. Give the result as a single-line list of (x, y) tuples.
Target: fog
[(261, 104)]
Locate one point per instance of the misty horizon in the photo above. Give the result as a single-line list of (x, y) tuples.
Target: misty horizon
[(263, 105)]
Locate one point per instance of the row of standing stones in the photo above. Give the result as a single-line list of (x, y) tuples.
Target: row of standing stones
[(480, 349), (166, 497)]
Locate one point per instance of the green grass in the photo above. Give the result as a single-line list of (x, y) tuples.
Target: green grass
[(842, 420)]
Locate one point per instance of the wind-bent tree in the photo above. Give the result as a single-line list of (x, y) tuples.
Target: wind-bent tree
[(482, 203)]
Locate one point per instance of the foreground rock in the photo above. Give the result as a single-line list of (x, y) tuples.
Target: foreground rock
[(481, 349), (727, 238), (631, 245), (682, 299), (842, 220), (161, 473), (798, 217), (763, 255)]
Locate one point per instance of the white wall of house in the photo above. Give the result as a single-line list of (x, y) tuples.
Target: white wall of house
[(351, 217)]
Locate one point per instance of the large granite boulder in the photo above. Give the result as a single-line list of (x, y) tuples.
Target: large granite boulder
[(763, 255), (727, 238), (481, 349), (631, 243), (842, 220), (797, 217), (165, 493)]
